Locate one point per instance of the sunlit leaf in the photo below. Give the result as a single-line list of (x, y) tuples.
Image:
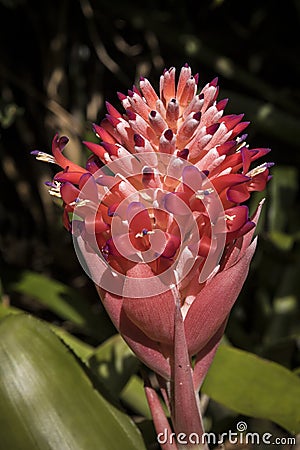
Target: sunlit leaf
[(255, 387), (47, 401), (133, 395), (63, 300), (79, 347), (113, 362)]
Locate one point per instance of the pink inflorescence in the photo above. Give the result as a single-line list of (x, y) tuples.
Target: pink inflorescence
[(178, 122), (167, 182)]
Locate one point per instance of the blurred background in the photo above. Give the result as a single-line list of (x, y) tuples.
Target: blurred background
[(60, 61)]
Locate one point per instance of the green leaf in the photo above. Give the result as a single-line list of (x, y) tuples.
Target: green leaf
[(64, 301), (283, 241), (133, 395), (113, 362), (255, 387), (284, 188), (79, 347), (8, 310), (47, 401)]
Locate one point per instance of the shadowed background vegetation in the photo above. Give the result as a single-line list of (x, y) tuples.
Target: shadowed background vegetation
[(60, 61)]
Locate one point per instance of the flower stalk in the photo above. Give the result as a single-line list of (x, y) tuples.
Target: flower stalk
[(185, 408)]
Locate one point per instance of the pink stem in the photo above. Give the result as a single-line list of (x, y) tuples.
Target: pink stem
[(165, 436), (165, 390)]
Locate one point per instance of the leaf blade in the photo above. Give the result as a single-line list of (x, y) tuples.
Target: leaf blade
[(255, 387), (46, 399)]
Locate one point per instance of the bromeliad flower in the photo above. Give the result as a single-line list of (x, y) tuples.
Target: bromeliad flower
[(159, 223)]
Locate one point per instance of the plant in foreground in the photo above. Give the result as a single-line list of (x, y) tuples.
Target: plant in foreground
[(158, 223)]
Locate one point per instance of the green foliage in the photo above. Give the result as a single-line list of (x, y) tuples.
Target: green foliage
[(113, 363), (255, 387), (44, 392), (62, 300)]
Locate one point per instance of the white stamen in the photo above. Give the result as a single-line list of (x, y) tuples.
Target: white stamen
[(79, 203), (141, 234), (55, 189), (242, 145), (227, 217), (41, 156), (257, 170), (202, 193)]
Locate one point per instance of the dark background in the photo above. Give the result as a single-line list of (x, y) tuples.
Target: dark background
[(60, 61)]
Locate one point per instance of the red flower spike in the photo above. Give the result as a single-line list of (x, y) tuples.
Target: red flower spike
[(111, 149), (148, 92), (221, 105), (239, 128), (112, 120), (214, 82), (159, 218), (71, 177)]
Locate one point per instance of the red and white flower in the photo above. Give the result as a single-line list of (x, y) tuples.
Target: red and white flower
[(159, 208)]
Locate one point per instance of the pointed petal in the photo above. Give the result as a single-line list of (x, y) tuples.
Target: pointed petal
[(138, 218), (148, 92), (58, 145), (69, 193), (97, 149), (184, 75), (255, 218), (236, 217)]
